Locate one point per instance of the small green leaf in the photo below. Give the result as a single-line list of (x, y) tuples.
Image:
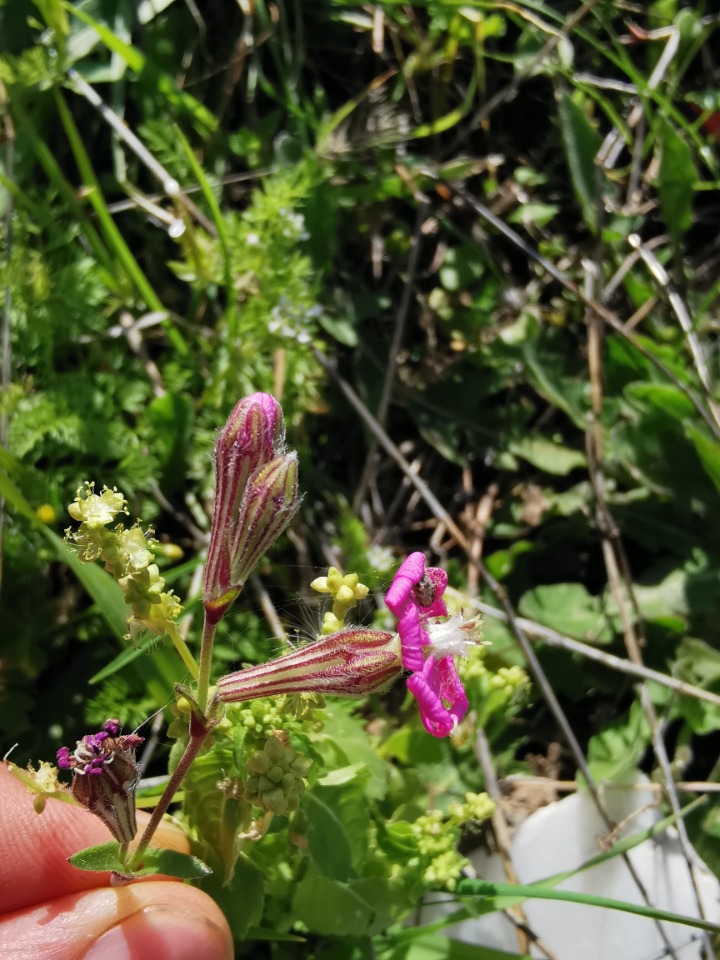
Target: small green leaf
[(548, 456), (582, 142), (676, 181), (106, 857), (709, 453), (102, 857)]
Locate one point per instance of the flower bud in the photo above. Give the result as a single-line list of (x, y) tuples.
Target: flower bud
[(105, 775), (256, 496), (351, 663)]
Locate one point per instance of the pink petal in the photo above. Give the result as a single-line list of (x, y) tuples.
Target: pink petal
[(409, 573), (439, 681), (412, 638), (436, 719), (451, 688)]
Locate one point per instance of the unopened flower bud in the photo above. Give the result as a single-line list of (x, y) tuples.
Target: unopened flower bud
[(352, 663), (256, 496)]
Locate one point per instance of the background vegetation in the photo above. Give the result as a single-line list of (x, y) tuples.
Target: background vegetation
[(472, 248)]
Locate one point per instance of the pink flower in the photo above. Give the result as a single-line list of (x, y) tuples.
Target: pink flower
[(415, 596)]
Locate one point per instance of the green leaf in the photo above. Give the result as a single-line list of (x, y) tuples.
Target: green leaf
[(434, 946), (568, 608), (170, 417), (709, 453), (106, 857), (676, 180), (548, 456), (582, 142), (338, 819), (352, 909), (614, 753)]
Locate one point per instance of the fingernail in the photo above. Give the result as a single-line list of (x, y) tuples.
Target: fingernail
[(163, 935)]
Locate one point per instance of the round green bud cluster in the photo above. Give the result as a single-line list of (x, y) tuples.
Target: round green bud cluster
[(127, 555), (445, 870), (277, 772), (436, 841), (476, 808), (258, 717), (510, 680)]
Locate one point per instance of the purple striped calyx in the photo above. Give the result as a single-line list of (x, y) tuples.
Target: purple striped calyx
[(256, 497)]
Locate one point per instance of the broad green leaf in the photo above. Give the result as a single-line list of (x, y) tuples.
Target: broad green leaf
[(614, 752), (338, 820), (709, 453), (242, 900), (433, 946), (546, 455), (350, 736), (106, 857), (582, 142), (353, 909), (664, 396), (676, 180), (698, 663), (568, 608)]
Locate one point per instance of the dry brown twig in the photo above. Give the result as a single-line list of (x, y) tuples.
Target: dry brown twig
[(618, 572)]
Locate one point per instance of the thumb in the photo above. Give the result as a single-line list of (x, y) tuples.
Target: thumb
[(158, 919)]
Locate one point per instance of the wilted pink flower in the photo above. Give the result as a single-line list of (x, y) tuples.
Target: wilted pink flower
[(428, 646), (415, 594), (351, 663), (105, 775), (256, 496)]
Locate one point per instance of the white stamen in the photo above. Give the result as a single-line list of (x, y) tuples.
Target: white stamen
[(452, 636)]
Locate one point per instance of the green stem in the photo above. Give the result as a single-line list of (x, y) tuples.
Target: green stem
[(199, 732), (182, 649), (206, 648), (123, 853)]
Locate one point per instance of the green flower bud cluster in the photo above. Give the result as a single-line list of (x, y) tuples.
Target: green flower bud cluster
[(498, 693), (476, 808), (277, 772), (436, 843), (437, 833), (127, 554), (345, 592)]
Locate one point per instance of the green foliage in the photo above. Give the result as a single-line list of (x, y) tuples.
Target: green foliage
[(324, 171)]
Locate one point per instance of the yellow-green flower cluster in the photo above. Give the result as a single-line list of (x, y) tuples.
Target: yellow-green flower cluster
[(127, 554), (345, 592), (436, 844), (494, 691), (437, 833)]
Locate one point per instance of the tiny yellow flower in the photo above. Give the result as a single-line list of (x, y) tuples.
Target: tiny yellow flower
[(46, 513)]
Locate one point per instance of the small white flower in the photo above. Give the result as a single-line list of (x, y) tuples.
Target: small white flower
[(252, 240)]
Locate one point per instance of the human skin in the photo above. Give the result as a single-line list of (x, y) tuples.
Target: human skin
[(50, 909)]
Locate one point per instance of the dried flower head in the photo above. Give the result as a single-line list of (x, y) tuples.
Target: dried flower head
[(105, 775)]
